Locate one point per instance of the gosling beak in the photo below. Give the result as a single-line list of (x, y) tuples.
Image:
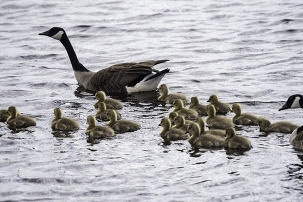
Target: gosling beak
[(208, 100)]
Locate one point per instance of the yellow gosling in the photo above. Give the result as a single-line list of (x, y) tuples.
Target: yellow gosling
[(102, 110), (280, 127), (109, 102), (188, 114), (98, 132), (121, 126), (195, 105), (221, 108), (63, 124), (170, 98), (243, 119), (171, 134), (15, 120), (233, 141), (217, 121)]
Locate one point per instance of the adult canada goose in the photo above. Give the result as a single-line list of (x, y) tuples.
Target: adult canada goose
[(199, 139), (280, 126), (62, 123), (109, 102), (119, 78), (3, 115), (188, 114), (195, 104), (121, 126), (180, 123), (94, 131), (234, 141), (102, 110), (243, 119), (216, 132), (170, 98), (296, 138), (294, 101), (171, 134), (217, 121), (221, 108), (15, 120)]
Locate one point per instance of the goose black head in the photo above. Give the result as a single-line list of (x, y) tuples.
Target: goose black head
[(294, 101), (55, 32)]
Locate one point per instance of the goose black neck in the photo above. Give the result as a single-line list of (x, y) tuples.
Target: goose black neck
[(77, 66)]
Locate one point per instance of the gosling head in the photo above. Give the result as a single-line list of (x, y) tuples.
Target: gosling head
[(163, 89), (178, 104), (55, 33), (193, 129), (91, 120), (213, 99), (12, 110), (194, 101), (179, 120), (100, 96), (230, 132), (236, 108), (165, 123), (172, 116), (111, 114), (263, 123), (58, 113)]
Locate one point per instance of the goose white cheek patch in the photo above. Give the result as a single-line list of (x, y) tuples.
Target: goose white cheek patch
[(58, 35), (296, 103)]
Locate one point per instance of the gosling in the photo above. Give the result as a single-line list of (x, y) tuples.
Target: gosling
[(217, 121), (233, 141), (15, 120), (109, 102), (221, 108), (63, 124), (180, 123), (296, 138), (3, 115), (170, 98), (100, 132), (243, 119), (195, 105), (121, 126), (102, 110), (280, 126), (188, 114), (216, 132), (171, 134), (205, 140)]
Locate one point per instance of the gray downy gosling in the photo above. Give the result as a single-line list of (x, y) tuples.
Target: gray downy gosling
[(170, 98), (127, 77), (243, 119), (3, 115), (233, 141), (121, 126), (221, 108), (171, 134), (217, 121), (102, 110), (216, 132), (188, 114), (63, 124), (109, 102), (15, 120), (280, 126), (294, 101), (98, 132), (195, 105), (180, 123), (203, 139), (296, 138)]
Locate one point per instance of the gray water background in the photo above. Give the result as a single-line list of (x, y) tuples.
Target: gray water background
[(246, 52)]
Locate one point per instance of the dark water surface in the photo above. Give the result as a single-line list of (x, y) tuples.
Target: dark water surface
[(246, 52)]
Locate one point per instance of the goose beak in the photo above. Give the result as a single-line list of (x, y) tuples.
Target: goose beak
[(284, 107), (46, 33)]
